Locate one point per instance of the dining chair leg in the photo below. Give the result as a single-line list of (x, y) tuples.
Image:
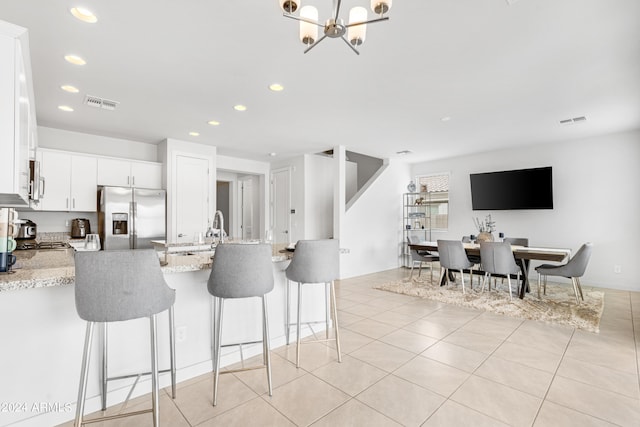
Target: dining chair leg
[(484, 280), (580, 288), (544, 289), (575, 289), (335, 321), (155, 398), (419, 269), (509, 282), (539, 285), (298, 325), (266, 342), (82, 392), (413, 264), (462, 280), (431, 271)]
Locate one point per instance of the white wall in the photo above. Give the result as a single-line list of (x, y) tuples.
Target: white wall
[(372, 227), (596, 199), (93, 144), (318, 202)]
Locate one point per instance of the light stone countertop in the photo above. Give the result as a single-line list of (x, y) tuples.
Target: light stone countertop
[(47, 268)]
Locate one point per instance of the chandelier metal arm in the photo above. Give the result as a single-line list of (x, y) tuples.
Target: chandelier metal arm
[(349, 44), (315, 44), (336, 8), (386, 18), (297, 18)]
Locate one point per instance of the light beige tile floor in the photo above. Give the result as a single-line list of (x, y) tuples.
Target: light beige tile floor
[(414, 362)]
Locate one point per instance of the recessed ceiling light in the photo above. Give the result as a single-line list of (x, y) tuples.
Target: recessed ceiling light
[(276, 87), (65, 108), (240, 107), (214, 123), (69, 88), (445, 119), (75, 60), (84, 15), (194, 134), (272, 154)]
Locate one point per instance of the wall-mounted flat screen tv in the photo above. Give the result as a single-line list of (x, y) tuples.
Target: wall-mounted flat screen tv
[(514, 189)]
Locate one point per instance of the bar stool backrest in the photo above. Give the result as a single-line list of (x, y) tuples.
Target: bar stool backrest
[(241, 271), (497, 258), (452, 255), (112, 286), (315, 261)]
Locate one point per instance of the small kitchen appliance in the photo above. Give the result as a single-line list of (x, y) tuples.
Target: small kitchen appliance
[(27, 229), (80, 227)]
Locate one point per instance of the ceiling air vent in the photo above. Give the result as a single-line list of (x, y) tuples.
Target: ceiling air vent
[(573, 120), (97, 102)]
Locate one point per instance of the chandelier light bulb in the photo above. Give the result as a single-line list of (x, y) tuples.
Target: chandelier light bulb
[(358, 33), (308, 31), (381, 6), (289, 6)]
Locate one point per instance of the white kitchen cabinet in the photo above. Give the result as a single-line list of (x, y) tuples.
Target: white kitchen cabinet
[(17, 115), (127, 173), (71, 183)]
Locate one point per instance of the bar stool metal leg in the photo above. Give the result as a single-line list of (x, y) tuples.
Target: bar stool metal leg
[(172, 352), (287, 325), (217, 336), (104, 372), (335, 320), (155, 404), (86, 355), (265, 343), (298, 325), (327, 309)]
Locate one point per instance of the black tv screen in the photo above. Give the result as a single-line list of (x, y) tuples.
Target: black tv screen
[(514, 189)]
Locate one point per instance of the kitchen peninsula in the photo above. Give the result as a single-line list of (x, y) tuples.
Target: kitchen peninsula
[(45, 334)]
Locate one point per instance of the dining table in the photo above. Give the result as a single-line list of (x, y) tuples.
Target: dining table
[(522, 254)]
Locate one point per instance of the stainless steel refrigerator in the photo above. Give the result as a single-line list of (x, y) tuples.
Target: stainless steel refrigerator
[(130, 218)]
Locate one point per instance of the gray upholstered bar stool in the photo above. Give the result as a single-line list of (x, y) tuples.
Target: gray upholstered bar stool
[(497, 258), (114, 286), (315, 261), (239, 271)]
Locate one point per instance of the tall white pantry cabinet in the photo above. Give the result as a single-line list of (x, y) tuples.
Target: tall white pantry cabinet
[(18, 138)]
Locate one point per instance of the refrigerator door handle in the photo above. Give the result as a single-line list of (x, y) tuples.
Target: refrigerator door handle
[(132, 225)]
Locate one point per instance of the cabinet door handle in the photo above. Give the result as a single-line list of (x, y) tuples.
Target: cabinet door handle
[(133, 180), (67, 203), (128, 180), (74, 203), (180, 235)]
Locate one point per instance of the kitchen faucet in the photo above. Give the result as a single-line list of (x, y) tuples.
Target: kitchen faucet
[(220, 225)]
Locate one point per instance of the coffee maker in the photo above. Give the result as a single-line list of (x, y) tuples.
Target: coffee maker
[(8, 229)]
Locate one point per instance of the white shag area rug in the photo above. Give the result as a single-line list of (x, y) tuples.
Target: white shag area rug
[(557, 306)]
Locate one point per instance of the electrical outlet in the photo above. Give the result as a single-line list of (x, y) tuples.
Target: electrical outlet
[(181, 334), (66, 223), (617, 269)]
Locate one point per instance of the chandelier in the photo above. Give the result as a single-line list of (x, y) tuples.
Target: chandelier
[(334, 27)]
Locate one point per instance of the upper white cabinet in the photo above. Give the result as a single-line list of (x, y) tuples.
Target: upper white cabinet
[(17, 115), (71, 183), (128, 173)]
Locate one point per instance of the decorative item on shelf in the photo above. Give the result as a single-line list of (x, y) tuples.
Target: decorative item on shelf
[(335, 27), (485, 229), (419, 201), (411, 188)]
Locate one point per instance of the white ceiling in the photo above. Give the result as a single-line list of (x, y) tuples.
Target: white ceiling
[(505, 74)]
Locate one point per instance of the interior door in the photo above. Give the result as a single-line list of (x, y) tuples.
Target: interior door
[(281, 205), (246, 208), (192, 197)]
